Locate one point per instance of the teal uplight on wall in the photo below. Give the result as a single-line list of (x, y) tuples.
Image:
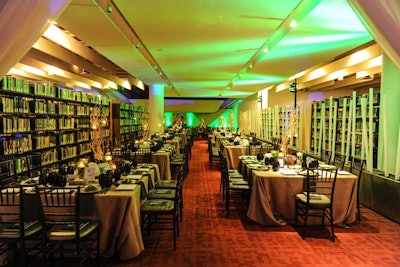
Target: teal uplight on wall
[(226, 120), (168, 117), (189, 119)]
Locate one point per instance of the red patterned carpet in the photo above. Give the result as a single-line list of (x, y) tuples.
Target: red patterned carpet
[(207, 238)]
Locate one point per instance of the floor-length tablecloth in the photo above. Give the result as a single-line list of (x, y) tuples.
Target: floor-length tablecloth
[(119, 215), (273, 198), (232, 154), (162, 159)]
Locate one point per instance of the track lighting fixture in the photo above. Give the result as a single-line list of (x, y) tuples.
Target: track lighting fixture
[(109, 7)]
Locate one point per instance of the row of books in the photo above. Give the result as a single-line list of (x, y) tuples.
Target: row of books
[(68, 152), (83, 136), (128, 128), (128, 122), (84, 148), (14, 104), (67, 123), (131, 107), (14, 125), (48, 89), (14, 84), (45, 124), (83, 110), (68, 138), (16, 146), (19, 104), (43, 141)]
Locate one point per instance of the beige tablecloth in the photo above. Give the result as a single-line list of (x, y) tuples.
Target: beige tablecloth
[(232, 154), (176, 144), (162, 159), (273, 198), (119, 215)]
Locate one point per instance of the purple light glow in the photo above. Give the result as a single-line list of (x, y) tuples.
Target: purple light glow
[(169, 102), (55, 6), (317, 96)]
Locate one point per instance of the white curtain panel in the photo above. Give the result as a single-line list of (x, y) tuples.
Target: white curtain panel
[(382, 20), (21, 25)]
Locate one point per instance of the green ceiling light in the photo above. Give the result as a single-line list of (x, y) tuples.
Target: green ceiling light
[(109, 7), (298, 13)]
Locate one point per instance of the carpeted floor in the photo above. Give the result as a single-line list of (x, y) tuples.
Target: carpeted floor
[(207, 238)]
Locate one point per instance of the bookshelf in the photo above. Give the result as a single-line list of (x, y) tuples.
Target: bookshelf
[(128, 121), (43, 125), (347, 125), (275, 123)]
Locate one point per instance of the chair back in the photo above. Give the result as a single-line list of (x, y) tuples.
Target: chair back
[(11, 210), (7, 172), (339, 160), (357, 166), (224, 170), (320, 181), (60, 207), (326, 156)]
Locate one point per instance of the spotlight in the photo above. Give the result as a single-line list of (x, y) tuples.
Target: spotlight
[(109, 7)]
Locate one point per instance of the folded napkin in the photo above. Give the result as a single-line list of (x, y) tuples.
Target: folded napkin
[(288, 172), (134, 176), (142, 169), (127, 187)]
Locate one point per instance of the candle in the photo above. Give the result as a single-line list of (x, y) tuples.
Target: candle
[(113, 166), (81, 164), (108, 157)]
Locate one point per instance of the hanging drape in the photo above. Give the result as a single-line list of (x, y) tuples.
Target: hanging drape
[(382, 20), (21, 24)]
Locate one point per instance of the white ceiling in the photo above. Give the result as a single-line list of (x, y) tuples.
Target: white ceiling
[(201, 46)]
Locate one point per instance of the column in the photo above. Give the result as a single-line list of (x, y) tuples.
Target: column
[(156, 107), (390, 88)]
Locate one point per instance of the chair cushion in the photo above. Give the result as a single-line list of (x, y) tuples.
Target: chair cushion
[(12, 231), (166, 184), (67, 232), (318, 199), (157, 205), (162, 193), (235, 176), (242, 185)]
